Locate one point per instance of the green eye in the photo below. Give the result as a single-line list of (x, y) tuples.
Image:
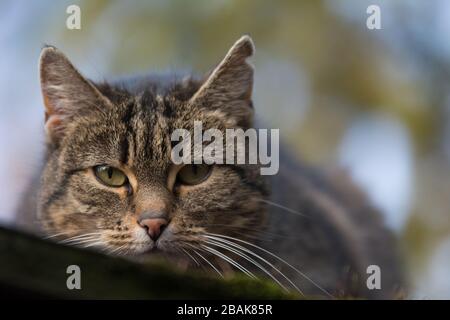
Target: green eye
[(110, 176), (194, 174)]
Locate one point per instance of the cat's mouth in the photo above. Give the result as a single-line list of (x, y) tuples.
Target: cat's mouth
[(156, 253), (158, 247), (154, 250)]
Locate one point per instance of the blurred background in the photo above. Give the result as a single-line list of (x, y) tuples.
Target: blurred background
[(374, 101)]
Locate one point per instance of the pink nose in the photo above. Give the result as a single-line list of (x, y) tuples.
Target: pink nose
[(154, 226)]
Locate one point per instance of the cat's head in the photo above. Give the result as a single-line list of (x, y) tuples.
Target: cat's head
[(109, 181)]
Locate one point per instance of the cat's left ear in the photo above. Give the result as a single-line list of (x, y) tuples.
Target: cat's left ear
[(228, 88)]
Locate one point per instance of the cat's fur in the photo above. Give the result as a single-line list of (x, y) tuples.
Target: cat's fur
[(319, 223)]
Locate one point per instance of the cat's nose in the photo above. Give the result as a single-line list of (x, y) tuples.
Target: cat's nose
[(154, 226)]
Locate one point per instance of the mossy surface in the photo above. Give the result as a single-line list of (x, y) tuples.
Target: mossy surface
[(33, 267)]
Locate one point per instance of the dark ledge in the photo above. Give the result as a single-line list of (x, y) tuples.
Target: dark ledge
[(34, 268)]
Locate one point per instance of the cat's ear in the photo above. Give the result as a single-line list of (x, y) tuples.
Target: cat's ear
[(66, 93), (228, 87)]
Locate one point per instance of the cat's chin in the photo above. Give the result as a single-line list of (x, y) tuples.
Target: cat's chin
[(158, 255)]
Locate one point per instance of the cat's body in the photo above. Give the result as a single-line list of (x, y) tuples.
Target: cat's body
[(320, 232), (332, 233)]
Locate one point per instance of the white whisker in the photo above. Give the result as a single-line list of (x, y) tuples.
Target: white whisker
[(81, 236), (226, 247), (278, 258), (210, 263), (99, 243), (190, 256), (259, 257), (79, 240), (118, 249), (284, 208), (55, 235), (229, 260)]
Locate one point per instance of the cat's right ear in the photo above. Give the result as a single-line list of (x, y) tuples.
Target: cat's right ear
[(66, 93)]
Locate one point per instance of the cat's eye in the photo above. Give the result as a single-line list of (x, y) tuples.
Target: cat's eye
[(193, 174), (110, 176)]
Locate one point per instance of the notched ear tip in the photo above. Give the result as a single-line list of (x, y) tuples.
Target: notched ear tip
[(48, 51), (244, 46), (248, 43), (49, 46), (51, 55)]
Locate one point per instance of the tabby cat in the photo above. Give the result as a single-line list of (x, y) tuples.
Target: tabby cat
[(108, 183)]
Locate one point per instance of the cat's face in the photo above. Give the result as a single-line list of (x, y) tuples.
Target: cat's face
[(109, 181)]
